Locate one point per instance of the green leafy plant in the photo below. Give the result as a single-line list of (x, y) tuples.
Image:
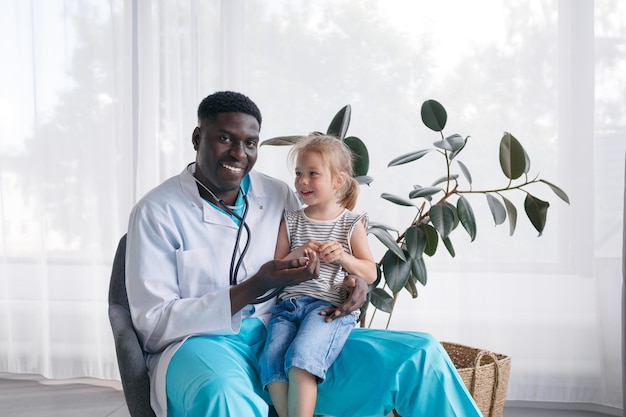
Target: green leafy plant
[(338, 128), (440, 207)]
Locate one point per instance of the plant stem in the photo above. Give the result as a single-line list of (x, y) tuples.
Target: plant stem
[(393, 305), (372, 318), (448, 172)]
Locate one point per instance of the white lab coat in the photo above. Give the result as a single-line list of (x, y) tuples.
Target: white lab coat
[(178, 258)]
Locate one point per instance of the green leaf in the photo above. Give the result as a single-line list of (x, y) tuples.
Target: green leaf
[(434, 115), (537, 211), (427, 196), (466, 215), (415, 241), (339, 125), (388, 241), (411, 287), (364, 179), (457, 151), (282, 140), (465, 172), (559, 192), (497, 209), (442, 217), (408, 157), (512, 157), (361, 158), (512, 212), (397, 200), (424, 192), (527, 162), (451, 143), (456, 216), (381, 300), (432, 239), (379, 275), (445, 179), (396, 271), (448, 244), (383, 226), (418, 270)]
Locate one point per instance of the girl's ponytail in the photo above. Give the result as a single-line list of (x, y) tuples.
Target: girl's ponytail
[(350, 194)]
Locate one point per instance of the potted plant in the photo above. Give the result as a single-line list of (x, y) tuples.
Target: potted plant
[(441, 208)]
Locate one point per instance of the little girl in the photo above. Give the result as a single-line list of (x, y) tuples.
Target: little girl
[(302, 342)]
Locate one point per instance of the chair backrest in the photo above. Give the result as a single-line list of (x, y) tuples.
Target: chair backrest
[(131, 363), (130, 355), (117, 286)]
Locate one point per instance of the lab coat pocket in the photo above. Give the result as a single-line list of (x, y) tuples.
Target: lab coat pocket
[(196, 272)]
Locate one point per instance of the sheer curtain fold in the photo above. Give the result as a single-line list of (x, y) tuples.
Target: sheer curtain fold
[(98, 103), (623, 332)]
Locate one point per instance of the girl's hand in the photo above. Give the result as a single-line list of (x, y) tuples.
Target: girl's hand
[(331, 252), (302, 251), (313, 245)]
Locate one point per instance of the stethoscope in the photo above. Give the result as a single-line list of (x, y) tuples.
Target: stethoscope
[(236, 261)]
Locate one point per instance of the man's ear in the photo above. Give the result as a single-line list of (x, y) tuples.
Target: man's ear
[(195, 138)]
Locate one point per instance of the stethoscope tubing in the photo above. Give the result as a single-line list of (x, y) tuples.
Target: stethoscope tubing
[(234, 269), (236, 261)]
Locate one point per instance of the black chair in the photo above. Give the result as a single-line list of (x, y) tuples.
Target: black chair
[(130, 355)]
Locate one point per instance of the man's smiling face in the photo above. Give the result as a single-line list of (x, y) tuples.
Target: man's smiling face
[(226, 150)]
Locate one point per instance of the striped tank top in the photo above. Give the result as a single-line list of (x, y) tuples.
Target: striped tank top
[(300, 229)]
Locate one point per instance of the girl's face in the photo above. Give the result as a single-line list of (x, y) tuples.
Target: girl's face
[(314, 182)]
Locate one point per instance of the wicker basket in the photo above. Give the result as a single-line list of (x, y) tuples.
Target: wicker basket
[(485, 374)]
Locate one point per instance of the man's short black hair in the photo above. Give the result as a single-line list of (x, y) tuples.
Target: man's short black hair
[(227, 102)]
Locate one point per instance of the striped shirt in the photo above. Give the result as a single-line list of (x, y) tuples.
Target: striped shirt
[(300, 229)]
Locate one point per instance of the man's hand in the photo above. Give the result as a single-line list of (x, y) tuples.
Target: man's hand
[(357, 294), (281, 273), (278, 273)]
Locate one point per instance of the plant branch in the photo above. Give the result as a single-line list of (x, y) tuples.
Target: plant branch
[(495, 190)]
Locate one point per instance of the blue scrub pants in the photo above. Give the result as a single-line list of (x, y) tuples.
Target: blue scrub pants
[(377, 371)]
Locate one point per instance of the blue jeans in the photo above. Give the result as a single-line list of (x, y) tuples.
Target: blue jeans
[(297, 335)]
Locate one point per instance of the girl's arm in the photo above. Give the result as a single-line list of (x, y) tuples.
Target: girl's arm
[(283, 248), (282, 242)]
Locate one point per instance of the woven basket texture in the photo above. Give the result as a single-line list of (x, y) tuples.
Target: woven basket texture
[(485, 374)]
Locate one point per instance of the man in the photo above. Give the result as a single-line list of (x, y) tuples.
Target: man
[(200, 276)]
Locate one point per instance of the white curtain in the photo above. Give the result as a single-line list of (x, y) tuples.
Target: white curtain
[(97, 106)]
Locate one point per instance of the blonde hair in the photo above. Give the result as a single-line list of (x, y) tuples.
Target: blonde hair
[(337, 157)]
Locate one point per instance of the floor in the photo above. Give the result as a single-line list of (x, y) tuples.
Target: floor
[(24, 396), (28, 397)]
